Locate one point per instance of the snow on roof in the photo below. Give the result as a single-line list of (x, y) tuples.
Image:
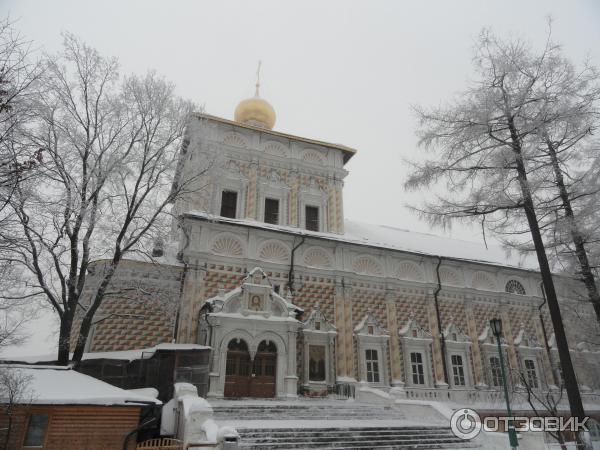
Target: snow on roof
[(392, 238), (56, 385), (125, 355), (142, 353)]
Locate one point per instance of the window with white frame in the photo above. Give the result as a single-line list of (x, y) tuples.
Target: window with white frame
[(495, 371), (229, 201), (531, 374), (417, 368), (458, 348), (458, 370), (311, 218), (416, 348), (372, 348), (271, 214), (372, 361)]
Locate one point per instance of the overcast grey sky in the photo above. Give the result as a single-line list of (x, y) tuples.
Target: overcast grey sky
[(341, 71)]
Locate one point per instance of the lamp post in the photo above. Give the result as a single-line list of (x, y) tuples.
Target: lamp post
[(496, 326)]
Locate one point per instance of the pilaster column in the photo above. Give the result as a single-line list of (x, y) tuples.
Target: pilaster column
[(478, 371), (294, 181), (349, 331), (341, 337), (436, 348), (513, 360), (332, 207), (339, 205), (546, 363), (192, 298), (392, 325), (252, 191)]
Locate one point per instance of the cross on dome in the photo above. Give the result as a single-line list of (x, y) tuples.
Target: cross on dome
[(256, 111)]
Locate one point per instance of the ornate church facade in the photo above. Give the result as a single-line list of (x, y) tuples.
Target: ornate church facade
[(295, 300)]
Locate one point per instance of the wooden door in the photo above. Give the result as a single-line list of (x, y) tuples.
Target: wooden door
[(264, 371), (237, 371)]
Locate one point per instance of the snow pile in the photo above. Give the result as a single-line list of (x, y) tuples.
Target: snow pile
[(55, 385)]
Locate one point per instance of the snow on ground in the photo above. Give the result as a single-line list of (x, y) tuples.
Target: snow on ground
[(55, 385)]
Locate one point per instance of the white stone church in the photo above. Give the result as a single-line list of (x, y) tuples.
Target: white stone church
[(295, 300)]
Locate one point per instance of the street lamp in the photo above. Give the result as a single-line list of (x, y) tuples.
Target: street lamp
[(496, 326)]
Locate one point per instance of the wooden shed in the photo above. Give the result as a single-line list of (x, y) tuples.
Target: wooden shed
[(61, 409)]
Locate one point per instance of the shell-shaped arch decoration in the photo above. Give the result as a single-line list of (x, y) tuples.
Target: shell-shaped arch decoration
[(274, 251), (227, 245), (449, 277), (483, 282), (275, 148), (407, 270), (366, 265), (235, 140), (313, 156), (317, 257)]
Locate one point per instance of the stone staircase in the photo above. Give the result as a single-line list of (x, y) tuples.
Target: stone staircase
[(332, 426)]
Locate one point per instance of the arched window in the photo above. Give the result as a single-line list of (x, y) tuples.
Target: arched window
[(514, 287)]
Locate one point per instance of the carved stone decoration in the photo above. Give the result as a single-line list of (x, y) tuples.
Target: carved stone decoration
[(409, 271), (483, 281), (275, 148), (366, 265), (317, 321), (313, 156), (235, 140), (488, 338), (274, 251), (454, 333), (370, 326), (413, 330), (449, 277), (274, 176), (257, 315), (319, 344), (227, 245), (526, 339), (514, 287), (317, 257)]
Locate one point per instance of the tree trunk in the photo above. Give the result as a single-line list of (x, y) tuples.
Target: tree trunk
[(586, 271), (573, 394), (87, 321), (64, 338)]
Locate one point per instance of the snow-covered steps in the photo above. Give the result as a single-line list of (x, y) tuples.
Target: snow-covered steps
[(350, 438), (327, 424), (317, 411)]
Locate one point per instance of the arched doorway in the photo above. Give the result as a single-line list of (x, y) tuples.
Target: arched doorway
[(238, 375), (264, 370)]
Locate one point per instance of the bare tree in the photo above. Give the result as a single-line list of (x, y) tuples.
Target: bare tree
[(14, 394), (19, 74), (104, 190), (484, 162)]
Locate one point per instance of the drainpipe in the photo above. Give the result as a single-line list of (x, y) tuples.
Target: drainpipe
[(291, 272), (439, 320)]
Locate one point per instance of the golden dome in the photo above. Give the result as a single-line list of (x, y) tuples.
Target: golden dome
[(255, 111)]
